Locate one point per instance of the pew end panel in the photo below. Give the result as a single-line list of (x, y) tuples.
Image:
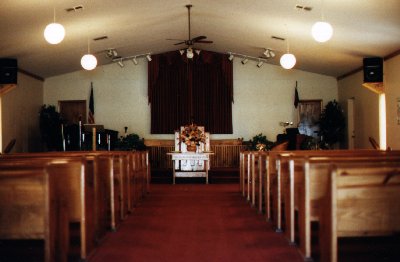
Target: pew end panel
[(360, 201)]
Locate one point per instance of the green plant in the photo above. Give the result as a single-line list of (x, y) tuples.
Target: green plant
[(131, 142), (50, 127), (332, 124), (259, 143)]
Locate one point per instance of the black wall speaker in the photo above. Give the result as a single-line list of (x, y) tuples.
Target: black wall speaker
[(8, 71), (373, 69)]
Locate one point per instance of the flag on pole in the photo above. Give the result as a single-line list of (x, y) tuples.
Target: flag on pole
[(91, 106), (296, 97)]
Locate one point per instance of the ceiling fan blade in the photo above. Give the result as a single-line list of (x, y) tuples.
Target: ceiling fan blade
[(205, 41), (196, 39), (179, 43), (173, 39)]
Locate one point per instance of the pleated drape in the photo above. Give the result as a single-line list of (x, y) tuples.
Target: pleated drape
[(198, 90)]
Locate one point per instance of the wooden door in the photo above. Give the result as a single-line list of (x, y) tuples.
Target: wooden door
[(73, 110)]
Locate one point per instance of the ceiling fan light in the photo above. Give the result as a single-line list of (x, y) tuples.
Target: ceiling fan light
[(197, 51), (288, 61), (182, 51), (54, 33), (89, 62), (189, 53), (322, 31)]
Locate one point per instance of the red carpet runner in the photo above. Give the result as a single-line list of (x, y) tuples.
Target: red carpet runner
[(194, 222)]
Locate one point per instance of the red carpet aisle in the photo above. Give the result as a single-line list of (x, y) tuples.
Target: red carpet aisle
[(195, 223)]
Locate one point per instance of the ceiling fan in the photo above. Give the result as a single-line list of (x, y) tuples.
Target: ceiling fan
[(190, 41)]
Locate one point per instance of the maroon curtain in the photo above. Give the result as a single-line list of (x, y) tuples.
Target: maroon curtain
[(198, 90)]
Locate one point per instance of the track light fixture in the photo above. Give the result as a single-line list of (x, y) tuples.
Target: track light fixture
[(269, 53), (182, 51), (197, 51), (133, 58), (120, 63), (245, 58)]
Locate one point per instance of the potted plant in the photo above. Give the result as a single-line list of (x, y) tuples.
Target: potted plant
[(332, 124), (131, 142)]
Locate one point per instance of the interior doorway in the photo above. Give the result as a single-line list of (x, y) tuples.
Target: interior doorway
[(72, 111)]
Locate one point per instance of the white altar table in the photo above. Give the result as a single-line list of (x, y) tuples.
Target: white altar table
[(193, 164)]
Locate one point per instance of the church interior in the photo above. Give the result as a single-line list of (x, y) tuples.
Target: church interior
[(199, 130)]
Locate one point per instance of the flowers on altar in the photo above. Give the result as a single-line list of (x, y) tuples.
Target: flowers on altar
[(192, 135)]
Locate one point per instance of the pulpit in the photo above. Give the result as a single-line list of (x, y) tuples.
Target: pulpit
[(191, 157)]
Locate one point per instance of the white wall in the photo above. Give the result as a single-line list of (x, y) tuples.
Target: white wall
[(20, 114), (367, 105), (263, 96), (366, 109), (392, 85)]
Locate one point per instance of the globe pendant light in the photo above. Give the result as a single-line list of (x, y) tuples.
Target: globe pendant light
[(287, 60), (322, 31), (54, 33), (88, 61)]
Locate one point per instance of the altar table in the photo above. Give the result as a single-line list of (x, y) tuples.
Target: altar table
[(196, 164)]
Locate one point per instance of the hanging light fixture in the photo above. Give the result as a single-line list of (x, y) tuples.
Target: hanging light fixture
[(89, 61), (189, 53), (54, 33), (322, 31), (287, 60)]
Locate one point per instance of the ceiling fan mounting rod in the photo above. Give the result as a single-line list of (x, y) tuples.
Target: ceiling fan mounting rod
[(188, 7)]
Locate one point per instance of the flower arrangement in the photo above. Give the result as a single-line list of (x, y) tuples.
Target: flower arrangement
[(191, 135), (259, 143)]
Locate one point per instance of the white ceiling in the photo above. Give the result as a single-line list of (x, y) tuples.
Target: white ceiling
[(362, 28)]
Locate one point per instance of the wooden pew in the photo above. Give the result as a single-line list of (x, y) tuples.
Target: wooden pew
[(86, 194), (361, 200), (278, 171), (117, 176), (139, 177), (34, 205), (245, 167), (304, 188)]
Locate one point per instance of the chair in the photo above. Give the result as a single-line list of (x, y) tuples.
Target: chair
[(10, 146), (280, 147)]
